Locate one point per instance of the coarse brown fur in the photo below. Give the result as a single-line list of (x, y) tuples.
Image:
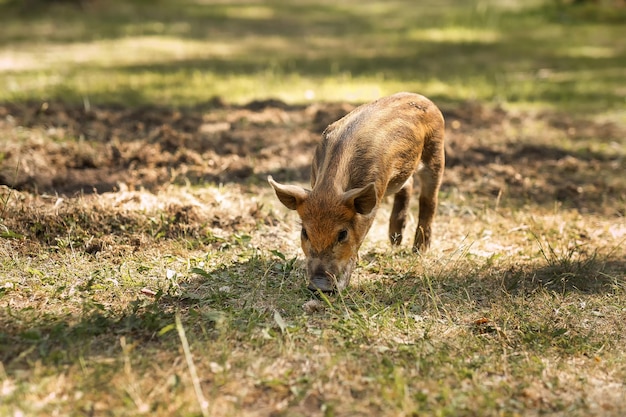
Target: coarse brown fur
[(370, 153)]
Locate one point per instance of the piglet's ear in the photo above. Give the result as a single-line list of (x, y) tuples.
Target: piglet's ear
[(290, 195), (361, 200)]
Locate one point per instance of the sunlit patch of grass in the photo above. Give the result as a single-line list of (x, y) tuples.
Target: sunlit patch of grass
[(455, 35), (113, 54), (303, 51)]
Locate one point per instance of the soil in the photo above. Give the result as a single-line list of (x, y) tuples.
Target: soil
[(60, 149)]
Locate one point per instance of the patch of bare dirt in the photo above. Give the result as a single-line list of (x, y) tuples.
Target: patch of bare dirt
[(539, 158), (125, 221)]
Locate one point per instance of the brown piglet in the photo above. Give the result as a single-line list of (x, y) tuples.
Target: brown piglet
[(370, 153)]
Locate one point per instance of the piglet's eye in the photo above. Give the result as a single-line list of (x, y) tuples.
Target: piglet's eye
[(342, 236), (305, 236)]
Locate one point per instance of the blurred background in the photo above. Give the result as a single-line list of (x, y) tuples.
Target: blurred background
[(567, 54)]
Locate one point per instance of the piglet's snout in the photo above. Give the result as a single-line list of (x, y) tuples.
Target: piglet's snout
[(322, 281)]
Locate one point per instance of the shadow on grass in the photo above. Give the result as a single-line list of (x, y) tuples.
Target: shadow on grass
[(240, 299), (314, 40), (228, 301), (591, 276), (579, 274), (423, 62), (28, 335)]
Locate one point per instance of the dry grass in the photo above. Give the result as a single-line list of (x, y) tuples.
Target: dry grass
[(147, 269), (512, 312)]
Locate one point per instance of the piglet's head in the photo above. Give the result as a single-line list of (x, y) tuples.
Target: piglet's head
[(334, 224)]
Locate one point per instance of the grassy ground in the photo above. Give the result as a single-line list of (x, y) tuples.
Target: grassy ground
[(184, 53), (177, 288)]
